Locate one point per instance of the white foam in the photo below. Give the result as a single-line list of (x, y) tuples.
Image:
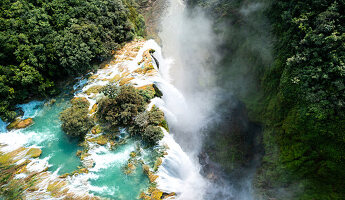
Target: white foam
[(16, 139), (104, 189), (30, 109), (178, 173), (105, 158), (79, 184), (20, 176), (38, 165), (80, 83)]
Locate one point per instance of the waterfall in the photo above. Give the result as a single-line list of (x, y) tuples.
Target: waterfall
[(179, 171), (191, 99)]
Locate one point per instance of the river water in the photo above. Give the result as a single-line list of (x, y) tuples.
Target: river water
[(187, 102)]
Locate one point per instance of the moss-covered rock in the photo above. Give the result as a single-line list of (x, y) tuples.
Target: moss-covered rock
[(115, 79), (55, 187), (101, 140), (154, 193), (95, 89), (34, 152), (157, 164), (152, 177), (96, 129), (133, 154), (80, 100), (20, 123)]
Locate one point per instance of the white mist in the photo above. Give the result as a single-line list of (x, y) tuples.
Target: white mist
[(188, 45)]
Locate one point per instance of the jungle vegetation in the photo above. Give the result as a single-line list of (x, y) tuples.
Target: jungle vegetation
[(304, 93), (297, 94), (43, 42), (75, 119), (125, 107)]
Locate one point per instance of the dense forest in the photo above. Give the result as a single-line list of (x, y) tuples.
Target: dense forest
[(284, 61), (298, 95), (304, 93), (43, 42)]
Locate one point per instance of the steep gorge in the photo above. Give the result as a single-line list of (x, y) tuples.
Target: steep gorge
[(251, 91)]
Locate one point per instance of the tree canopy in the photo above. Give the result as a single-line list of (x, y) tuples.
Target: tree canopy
[(305, 92), (42, 42)]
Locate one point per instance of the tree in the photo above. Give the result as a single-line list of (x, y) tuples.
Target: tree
[(75, 119), (43, 42), (121, 109)]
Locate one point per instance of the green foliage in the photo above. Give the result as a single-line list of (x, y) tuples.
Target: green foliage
[(42, 42), (301, 99), (305, 110), (125, 107), (149, 93), (111, 91), (152, 134), (75, 119), (120, 110), (147, 125)]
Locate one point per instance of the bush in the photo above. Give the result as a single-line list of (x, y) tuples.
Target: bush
[(149, 92), (111, 91), (155, 116), (147, 125), (121, 109), (75, 119), (152, 134), (125, 107)]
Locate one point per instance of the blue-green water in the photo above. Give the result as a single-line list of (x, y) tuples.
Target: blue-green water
[(112, 182), (60, 148), (107, 177)]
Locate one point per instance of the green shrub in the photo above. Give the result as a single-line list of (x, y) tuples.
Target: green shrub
[(150, 92), (152, 134), (147, 94), (110, 90), (155, 116), (121, 109), (147, 125), (75, 119)]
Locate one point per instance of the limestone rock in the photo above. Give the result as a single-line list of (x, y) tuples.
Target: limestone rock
[(20, 123), (34, 152)]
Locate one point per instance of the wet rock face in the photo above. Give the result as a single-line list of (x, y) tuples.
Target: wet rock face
[(233, 144), (152, 10), (20, 123)]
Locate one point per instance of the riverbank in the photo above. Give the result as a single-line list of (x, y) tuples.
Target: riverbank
[(103, 159)]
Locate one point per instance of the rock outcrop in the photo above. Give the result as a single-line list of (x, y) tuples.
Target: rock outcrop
[(19, 123)]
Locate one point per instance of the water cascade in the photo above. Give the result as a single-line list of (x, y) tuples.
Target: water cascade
[(188, 103), (188, 43)]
